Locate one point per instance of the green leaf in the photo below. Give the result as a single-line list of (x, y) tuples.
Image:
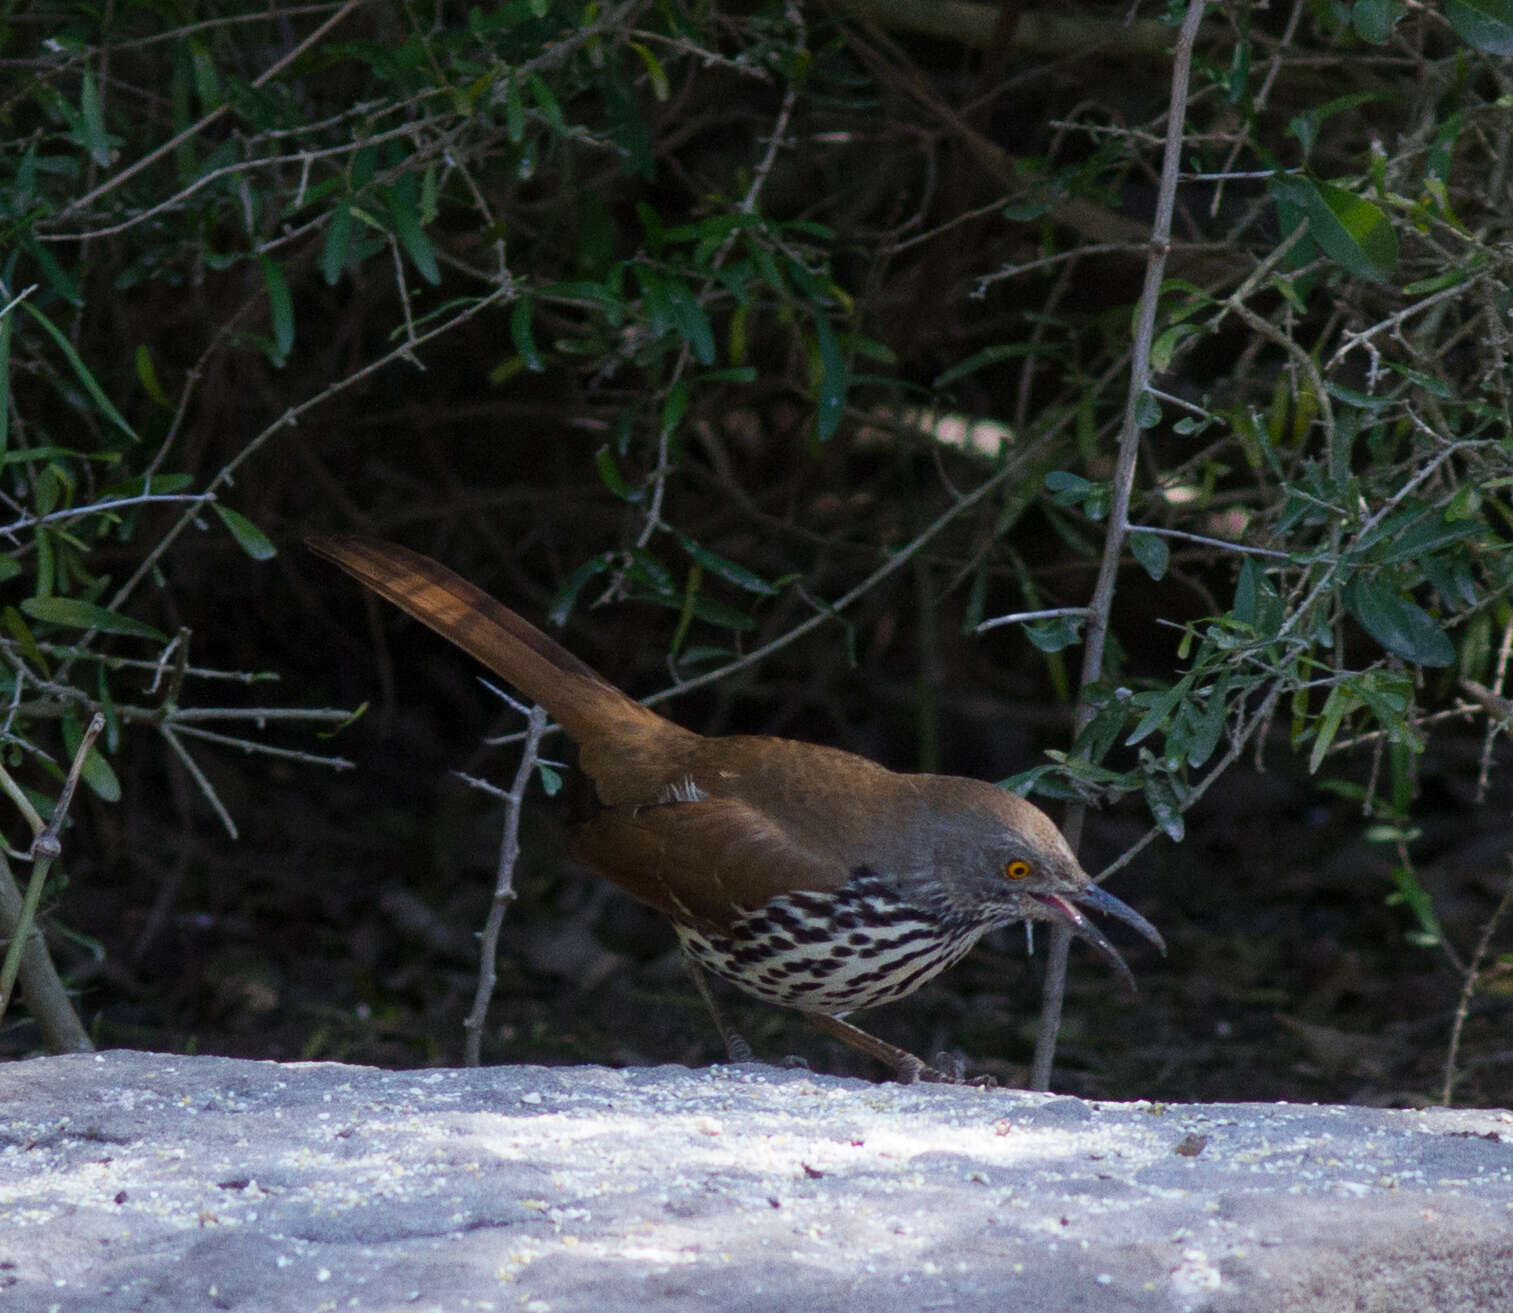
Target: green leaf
[(249, 537), (1056, 634), (739, 575), (547, 103), (693, 324), (832, 379), (96, 771), (654, 70), (280, 308), (1402, 627), (674, 408), (337, 250), (1161, 798), (92, 121), (514, 111), (1350, 230), (1151, 551), (520, 335), (1068, 489), (1339, 704), (147, 376), (412, 236), (77, 614), (1160, 705), (25, 639), (1485, 24), (1373, 20), (1410, 893), (1209, 725), (609, 475), (988, 356), (567, 596), (81, 371)]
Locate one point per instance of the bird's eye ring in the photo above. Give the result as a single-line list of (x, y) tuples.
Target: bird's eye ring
[(1018, 869)]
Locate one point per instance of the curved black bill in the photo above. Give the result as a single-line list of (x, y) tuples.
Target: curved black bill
[(1099, 900)]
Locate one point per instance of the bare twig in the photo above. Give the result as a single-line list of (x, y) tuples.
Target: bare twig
[(1468, 988), (504, 889), (1124, 477)]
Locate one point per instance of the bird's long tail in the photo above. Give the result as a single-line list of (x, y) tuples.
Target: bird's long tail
[(582, 701)]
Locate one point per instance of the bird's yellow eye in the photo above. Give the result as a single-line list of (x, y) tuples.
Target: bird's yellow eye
[(1018, 869)]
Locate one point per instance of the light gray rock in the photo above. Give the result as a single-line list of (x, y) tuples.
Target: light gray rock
[(136, 1181)]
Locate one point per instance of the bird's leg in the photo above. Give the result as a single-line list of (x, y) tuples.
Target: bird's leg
[(736, 1047), (906, 1067)]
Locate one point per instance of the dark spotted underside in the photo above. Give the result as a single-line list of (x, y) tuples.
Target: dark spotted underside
[(831, 952)]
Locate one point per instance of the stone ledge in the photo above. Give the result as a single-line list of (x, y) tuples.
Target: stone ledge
[(149, 1182)]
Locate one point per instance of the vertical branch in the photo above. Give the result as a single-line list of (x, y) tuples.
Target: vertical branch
[(504, 888), (1468, 990), (1124, 477), (27, 957)]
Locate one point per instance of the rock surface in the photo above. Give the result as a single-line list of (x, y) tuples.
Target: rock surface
[(137, 1181)]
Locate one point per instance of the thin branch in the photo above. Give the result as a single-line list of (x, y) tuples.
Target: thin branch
[(1124, 477), (504, 889)]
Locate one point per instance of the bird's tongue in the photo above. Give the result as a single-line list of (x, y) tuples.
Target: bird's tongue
[(1098, 900)]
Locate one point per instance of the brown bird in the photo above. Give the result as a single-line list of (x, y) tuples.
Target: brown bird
[(804, 875)]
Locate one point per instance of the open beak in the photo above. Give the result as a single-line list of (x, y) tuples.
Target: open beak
[(1096, 899)]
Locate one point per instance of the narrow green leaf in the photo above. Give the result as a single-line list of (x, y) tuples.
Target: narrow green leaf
[(412, 236), (6, 323), (81, 371), (249, 537), (609, 475), (1209, 725), (660, 87), (1165, 810), (1410, 893), (693, 324), (337, 250), (520, 335), (986, 358), (206, 84), (1161, 706), (1244, 609), (96, 771), (92, 121), (74, 613), (514, 111), (567, 596), (280, 308), (147, 376), (675, 406), (547, 103), (728, 570), (21, 632), (1339, 704), (832, 379)]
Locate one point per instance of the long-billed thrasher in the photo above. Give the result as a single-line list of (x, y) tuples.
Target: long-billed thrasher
[(804, 875)]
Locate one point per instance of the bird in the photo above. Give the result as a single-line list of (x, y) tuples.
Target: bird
[(807, 876)]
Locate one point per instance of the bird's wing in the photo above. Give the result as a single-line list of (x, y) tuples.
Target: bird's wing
[(706, 861)]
